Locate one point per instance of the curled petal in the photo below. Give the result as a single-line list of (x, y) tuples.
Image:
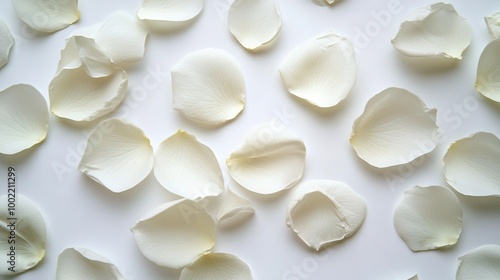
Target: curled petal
[(428, 218), (77, 96), (118, 155), (254, 23), (217, 266), (26, 224), (234, 209), (169, 10), (208, 87), (81, 263), (6, 43), (321, 70), (488, 71), (471, 165), (480, 263), (395, 128), (493, 25), (268, 161), (322, 212), (47, 15), (175, 234), (425, 35), (24, 118)]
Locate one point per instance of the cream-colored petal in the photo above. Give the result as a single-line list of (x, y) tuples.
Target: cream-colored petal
[(77, 96), (395, 128), (217, 266), (233, 209), (6, 43), (268, 160), (493, 25), (480, 263), (415, 277), (169, 10), (188, 168), (254, 23), (322, 212), (24, 118), (24, 224), (175, 234), (208, 87), (82, 263), (425, 35), (472, 164), (428, 218), (118, 155), (47, 15), (321, 70), (488, 71)]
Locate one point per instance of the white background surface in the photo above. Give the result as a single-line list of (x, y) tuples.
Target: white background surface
[(81, 213)]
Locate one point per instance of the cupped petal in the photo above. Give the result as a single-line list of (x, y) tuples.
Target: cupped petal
[(480, 263), (188, 168), (175, 234), (268, 160), (208, 87), (233, 209), (82, 263), (321, 70), (425, 35), (47, 15), (118, 155), (254, 23), (322, 212), (488, 71), (428, 218), (24, 224), (169, 10), (493, 25), (217, 266), (471, 165), (77, 96), (6, 43), (24, 118), (395, 128)]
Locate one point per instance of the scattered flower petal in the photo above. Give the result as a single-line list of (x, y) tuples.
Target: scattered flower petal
[(480, 263), (415, 277), (6, 43), (175, 234), (47, 15), (428, 218), (395, 128), (322, 212), (217, 266), (208, 87), (30, 235), (24, 118), (233, 209), (254, 23), (488, 71), (118, 155), (493, 25), (471, 165), (77, 96), (186, 167), (321, 70), (425, 35), (268, 161), (169, 10), (81, 263)]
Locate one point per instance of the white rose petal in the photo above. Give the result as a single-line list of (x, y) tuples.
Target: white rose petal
[(254, 23), (425, 35), (175, 234), (169, 10), (480, 263), (30, 235), (488, 71), (428, 218), (118, 155), (24, 118), (268, 161), (322, 212), (493, 25), (208, 87), (472, 164), (321, 70), (395, 128), (81, 263), (6, 43), (77, 96), (233, 209), (217, 266), (47, 15)]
